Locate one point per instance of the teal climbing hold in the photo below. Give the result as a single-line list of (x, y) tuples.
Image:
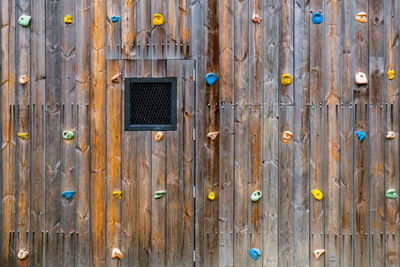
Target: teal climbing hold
[(24, 20), (360, 135), (391, 193), (211, 78), (317, 18), (68, 194), (68, 135), (255, 252), (256, 195), (114, 19), (160, 194)]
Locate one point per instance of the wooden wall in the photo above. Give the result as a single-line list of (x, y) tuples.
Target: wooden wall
[(70, 68)]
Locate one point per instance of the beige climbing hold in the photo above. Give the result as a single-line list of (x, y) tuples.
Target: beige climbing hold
[(318, 253), (159, 136), (212, 136), (23, 135), (116, 254), (390, 135), (362, 17), (23, 254), (23, 79), (116, 78), (287, 135), (256, 18), (361, 78)]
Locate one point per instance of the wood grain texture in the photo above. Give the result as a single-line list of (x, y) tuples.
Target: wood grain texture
[(128, 29), (143, 29), (158, 33)]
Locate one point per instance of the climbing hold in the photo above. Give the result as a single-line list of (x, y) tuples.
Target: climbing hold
[(116, 78), (158, 19), (160, 194), (24, 20), (68, 135), (317, 194), (391, 74), (23, 135), (117, 194), (317, 18), (23, 79), (390, 135), (362, 17), (286, 79), (211, 196), (68, 19), (254, 253), (211, 78), (391, 193), (256, 195), (287, 135), (360, 135), (318, 253), (23, 254), (256, 18), (212, 136), (116, 254), (68, 194), (159, 136), (114, 19), (361, 78)]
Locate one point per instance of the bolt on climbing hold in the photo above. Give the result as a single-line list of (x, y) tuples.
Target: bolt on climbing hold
[(256, 195), (317, 194), (24, 20), (68, 19), (254, 253), (287, 135), (391, 193), (360, 135), (362, 17), (391, 74), (23, 135), (361, 78), (390, 135), (68, 135), (211, 78), (318, 253), (317, 18), (68, 194), (211, 195), (23, 254), (212, 136), (116, 254), (117, 194), (114, 19), (23, 79), (159, 136), (160, 194), (286, 79), (116, 78), (158, 19), (256, 18)]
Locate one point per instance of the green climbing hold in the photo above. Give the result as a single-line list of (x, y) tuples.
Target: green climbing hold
[(24, 20), (160, 194), (68, 135), (256, 195), (391, 193)]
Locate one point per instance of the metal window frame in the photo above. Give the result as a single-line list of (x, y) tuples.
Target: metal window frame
[(151, 127)]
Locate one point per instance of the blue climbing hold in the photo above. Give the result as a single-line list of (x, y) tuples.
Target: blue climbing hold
[(68, 194), (360, 135), (211, 78), (317, 18), (114, 18), (254, 252)]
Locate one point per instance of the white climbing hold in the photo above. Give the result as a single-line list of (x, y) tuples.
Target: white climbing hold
[(23, 254), (116, 254), (361, 78)]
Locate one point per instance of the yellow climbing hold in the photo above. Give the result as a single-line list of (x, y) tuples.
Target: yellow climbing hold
[(23, 135), (158, 19), (68, 19), (317, 194), (286, 79), (117, 194), (391, 74), (211, 196)]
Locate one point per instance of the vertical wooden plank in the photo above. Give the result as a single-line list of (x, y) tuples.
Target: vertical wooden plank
[(53, 134), (129, 229), (98, 131), (270, 134), (173, 23), (241, 138), (159, 33), (186, 27), (143, 24), (158, 182), (128, 28), (144, 169), (226, 135), (113, 30), (83, 147)]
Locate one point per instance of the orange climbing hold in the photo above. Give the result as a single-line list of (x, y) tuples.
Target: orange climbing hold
[(256, 18), (362, 17), (116, 254), (159, 136), (23, 79), (116, 78), (287, 136), (318, 253), (212, 136)]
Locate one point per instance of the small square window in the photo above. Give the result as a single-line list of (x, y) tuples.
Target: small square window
[(150, 104)]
